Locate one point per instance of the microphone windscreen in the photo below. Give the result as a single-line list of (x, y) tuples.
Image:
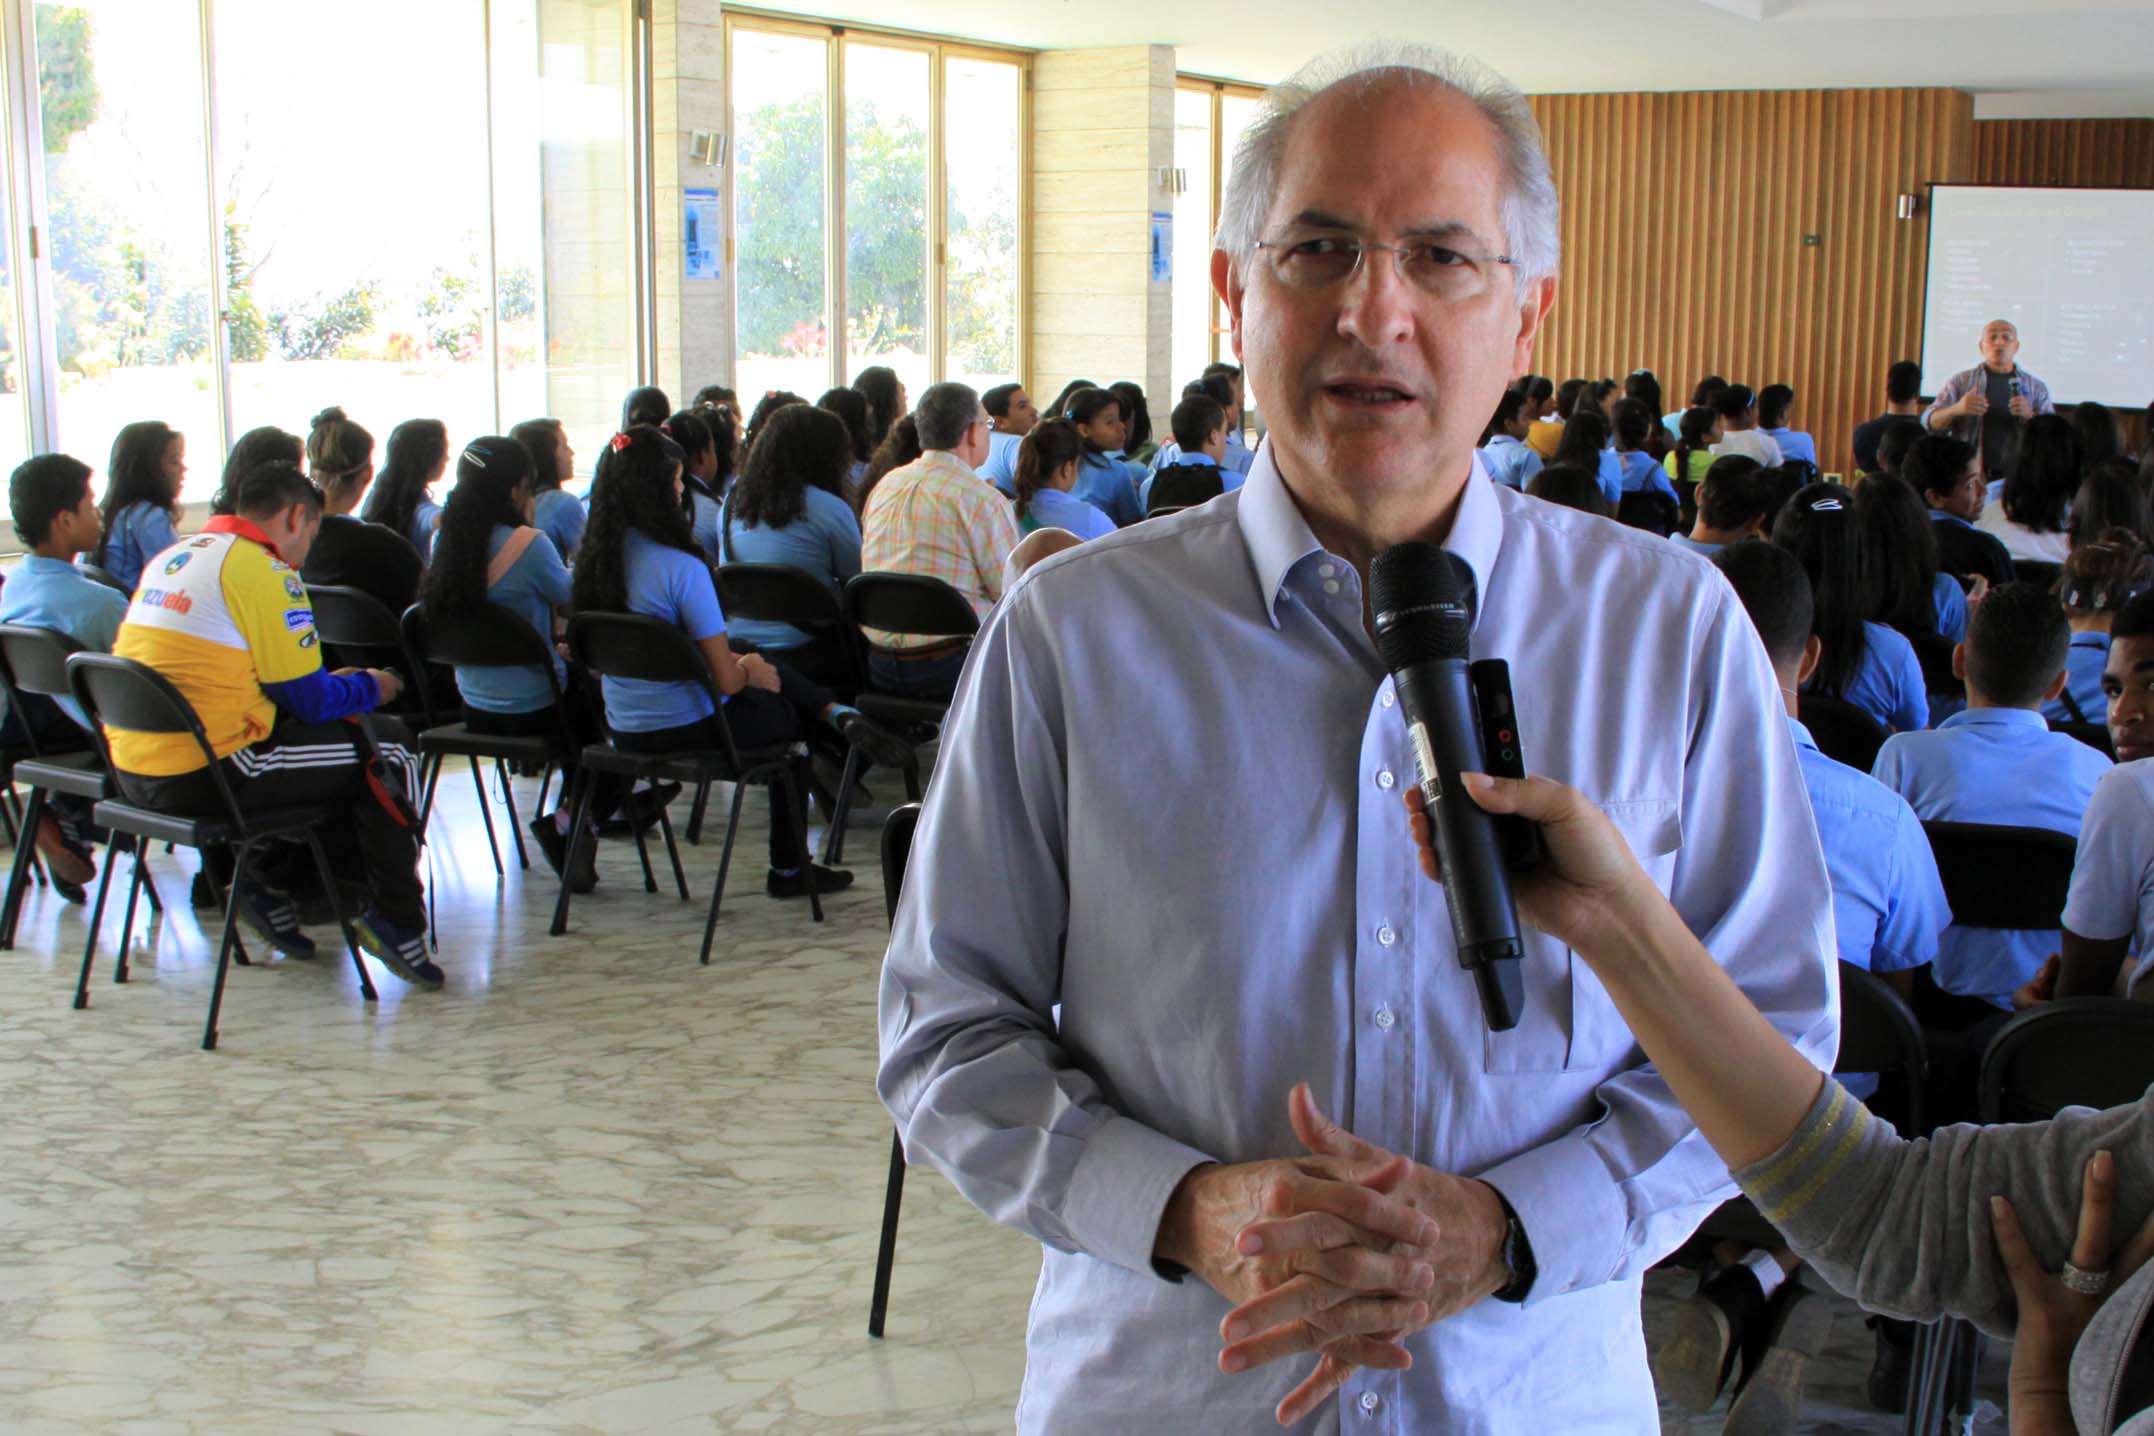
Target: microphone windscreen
[(1422, 611)]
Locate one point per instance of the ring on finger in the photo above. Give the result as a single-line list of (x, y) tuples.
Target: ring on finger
[(2086, 1283)]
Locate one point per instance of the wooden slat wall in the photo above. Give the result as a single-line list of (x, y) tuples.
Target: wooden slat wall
[(2117, 153), (1683, 218)]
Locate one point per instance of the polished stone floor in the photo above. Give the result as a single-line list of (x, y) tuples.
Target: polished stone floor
[(590, 1187)]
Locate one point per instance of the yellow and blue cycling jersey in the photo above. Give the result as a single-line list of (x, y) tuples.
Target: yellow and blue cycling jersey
[(229, 623)]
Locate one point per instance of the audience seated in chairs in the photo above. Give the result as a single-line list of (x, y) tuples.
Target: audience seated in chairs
[(1585, 446), (785, 508), (639, 556), (935, 517), (1104, 480), (224, 617), (57, 516), (1198, 473), (1735, 502), (555, 512), (2097, 581), (1047, 464), (142, 500), (2109, 916), (1999, 763), (1865, 663), (347, 552), (402, 501), (1631, 460)]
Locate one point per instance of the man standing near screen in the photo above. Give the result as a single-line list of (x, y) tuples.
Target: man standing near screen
[(1984, 406)]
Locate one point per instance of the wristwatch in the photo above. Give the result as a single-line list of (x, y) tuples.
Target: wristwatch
[(1517, 1257)]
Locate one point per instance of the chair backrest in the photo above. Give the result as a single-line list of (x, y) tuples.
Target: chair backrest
[(2003, 877), (1842, 730), (1650, 510), (2034, 570), (490, 636), (1164, 510), (910, 603), (92, 571), (638, 646), (898, 829), (781, 593), (2094, 735), (350, 618), (1934, 653), (1879, 1033), (36, 658), (120, 693), (2080, 1052)]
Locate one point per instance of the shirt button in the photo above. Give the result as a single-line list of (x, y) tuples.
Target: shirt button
[(1385, 781), (1331, 585), (1385, 1018), (1389, 698), (1370, 1401), (1325, 570), (1386, 936)]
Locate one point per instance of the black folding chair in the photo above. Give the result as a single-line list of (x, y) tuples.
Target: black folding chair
[(633, 645), (897, 852), (490, 637), (1843, 731), (123, 694), (359, 625), (1935, 655), (2094, 735), (2003, 877), (2035, 571), (34, 660), (2080, 1052), (918, 606)]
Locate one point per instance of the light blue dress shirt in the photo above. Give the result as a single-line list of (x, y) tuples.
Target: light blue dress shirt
[(1055, 509), (1083, 1000), (703, 518), (139, 533), (1636, 470), (2083, 665), (1887, 683), (560, 516), (1510, 462), (50, 593), (1794, 444), (535, 585), (1993, 765), (824, 541), (1949, 601), (1109, 485), (425, 521), (679, 588), (1001, 466)]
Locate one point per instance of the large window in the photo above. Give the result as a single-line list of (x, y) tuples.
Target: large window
[(919, 166), (255, 209), (1209, 117)]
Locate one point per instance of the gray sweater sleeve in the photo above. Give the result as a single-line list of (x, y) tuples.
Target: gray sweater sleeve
[(1904, 1227)]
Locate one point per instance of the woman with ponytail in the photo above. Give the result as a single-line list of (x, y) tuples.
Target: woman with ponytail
[(1692, 455), (1047, 463), (347, 551)]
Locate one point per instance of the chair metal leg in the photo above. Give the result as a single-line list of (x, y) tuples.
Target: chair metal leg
[(797, 804), (695, 814), (11, 909), (11, 814), (886, 1254), (912, 781), (127, 923), (545, 787), (516, 824), (643, 853), (486, 811), (673, 851), (577, 837), (856, 763), (224, 948), (149, 884), (89, 946), (725, 861), (344, 922)]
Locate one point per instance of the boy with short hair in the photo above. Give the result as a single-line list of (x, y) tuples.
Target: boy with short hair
[(1776, 402), (1737, 406), (1200, 473), (1736, 502), (56, 514), (1948, 475), (1997, 762)]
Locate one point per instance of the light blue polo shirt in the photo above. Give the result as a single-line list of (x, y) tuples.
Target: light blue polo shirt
[(1794, 444), (1109, 486), (1000, 469), (1055, 509), (679, 588), (2083, 664), (140, 532), (51, 593), (1887, 684), (1511, 463), (703, 516), (1993, 765), (1888, 904), (560, 516), (1949, 601), (535, 585), (824, 541)]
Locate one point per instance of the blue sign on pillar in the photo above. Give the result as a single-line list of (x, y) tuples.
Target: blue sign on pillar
[(702, 235), (1162, 246)]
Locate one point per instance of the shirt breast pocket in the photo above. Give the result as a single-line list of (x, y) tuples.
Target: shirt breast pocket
[(1568, 1023)]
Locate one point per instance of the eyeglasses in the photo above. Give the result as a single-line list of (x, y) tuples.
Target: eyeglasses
[(1314, 260)]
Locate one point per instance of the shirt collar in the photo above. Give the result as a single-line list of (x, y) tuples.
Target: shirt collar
[(1800, 734), (943, 461), (244, 528), (1197, 460), (1937, 515), (32, 563), (1996, 718), (1278, 537)]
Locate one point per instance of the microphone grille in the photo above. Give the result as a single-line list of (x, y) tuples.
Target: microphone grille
[(1422, 610)]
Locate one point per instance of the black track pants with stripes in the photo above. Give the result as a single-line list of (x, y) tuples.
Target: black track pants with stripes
[(306, 763)]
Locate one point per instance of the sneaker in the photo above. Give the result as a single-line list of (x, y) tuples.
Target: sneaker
[(1692, 1365), (881, 746), (554, 844), (1769, 1402), (640, 810), (400, 949), (270, 915), (795, 884)]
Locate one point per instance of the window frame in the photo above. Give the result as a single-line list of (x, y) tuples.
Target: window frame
[(1219, 91)]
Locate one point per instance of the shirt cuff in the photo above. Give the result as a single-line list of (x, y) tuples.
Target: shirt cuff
[(1572, 1213), (1120, 1189)]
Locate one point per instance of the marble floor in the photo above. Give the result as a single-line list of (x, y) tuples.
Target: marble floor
[(590, 1187)]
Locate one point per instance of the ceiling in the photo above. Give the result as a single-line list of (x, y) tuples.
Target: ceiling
[(2021, 58)]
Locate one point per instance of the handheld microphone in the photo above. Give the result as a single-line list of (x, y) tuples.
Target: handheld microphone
[(1424, 618)]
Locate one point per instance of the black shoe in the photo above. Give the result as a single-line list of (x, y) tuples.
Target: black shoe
[(1892, 1370), (554, 844), (640, 810), (880, 745), (1694, 1362), (400, 949), (271, 917), (1769, 1401), (795, 884)]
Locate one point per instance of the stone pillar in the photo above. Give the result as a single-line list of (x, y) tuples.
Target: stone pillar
[(695, 316)]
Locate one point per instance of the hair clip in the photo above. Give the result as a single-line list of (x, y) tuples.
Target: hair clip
[(474, 456), (1827, 506), (618, 442)]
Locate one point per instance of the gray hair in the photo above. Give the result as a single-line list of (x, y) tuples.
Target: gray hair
[(1531, 211), (944, 413)]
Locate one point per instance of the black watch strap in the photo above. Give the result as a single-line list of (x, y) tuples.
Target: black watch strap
[(1517, 1256)]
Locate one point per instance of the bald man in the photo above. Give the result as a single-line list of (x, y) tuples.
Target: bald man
[(1986, 405)]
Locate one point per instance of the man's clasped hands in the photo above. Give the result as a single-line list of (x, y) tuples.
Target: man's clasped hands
[(1344, 1252)]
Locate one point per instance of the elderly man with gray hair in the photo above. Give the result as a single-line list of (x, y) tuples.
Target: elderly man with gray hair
[(1154, 932)]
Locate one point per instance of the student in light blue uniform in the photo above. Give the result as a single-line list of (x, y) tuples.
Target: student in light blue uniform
[(1584, 446), (1013, 413), (1735, 503), (1200, 442), (142, 503), (852, 409), (1865, 663), (555, 512), (1503, 443), (1239, 456), (2098, 580), (1999, 763), (1047, 464), (1908, 592), (1635, 468), (700, 473), (639, 556), (416, 458), (783, 510), (1103, 481), (1775, 403)]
